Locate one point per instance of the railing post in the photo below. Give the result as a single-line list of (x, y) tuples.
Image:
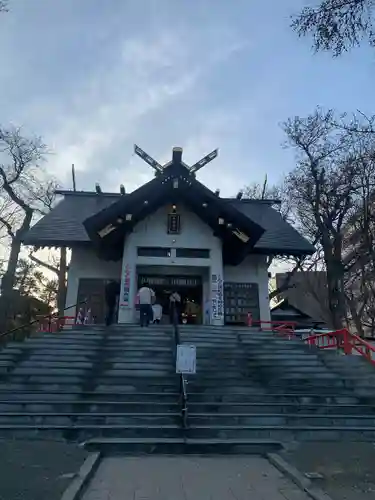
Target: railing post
[(348, 348), (249, 319), (368, 353)]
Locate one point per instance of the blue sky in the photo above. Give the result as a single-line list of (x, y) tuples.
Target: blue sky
[(93, 77)]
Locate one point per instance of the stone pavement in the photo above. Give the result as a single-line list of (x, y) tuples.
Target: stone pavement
[(36, 469), (190, 478)]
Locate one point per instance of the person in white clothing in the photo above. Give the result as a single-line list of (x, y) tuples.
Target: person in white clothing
[(157, 313), (146, 297)]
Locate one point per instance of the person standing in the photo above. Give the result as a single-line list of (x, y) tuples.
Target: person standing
[(174, 307), (157, 311), (112, 292), (146, 297)]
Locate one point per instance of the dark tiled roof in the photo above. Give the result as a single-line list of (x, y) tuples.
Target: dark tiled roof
[(64, 224), (278, 235)]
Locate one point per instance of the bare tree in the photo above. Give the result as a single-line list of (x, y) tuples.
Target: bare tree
[(322, 188), (277, 195), (337, 25), (359, 239), (57, 266), (26, 192)]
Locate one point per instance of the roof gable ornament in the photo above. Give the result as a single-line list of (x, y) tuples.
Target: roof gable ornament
[(176, 161)]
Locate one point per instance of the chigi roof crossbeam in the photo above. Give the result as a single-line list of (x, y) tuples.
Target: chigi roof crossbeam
[(175, 182), (176, 159), (148, 159)]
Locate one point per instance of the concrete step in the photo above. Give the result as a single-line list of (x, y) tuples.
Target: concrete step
[(6, 366), (182, 446), (262, 396), (63, 350), (168, 372), (112, 386), (97, 418), (47, 371), (64, 364), (284, 407), (284, 433), (74, 383), (321, 380), (71, 406), (85, 365), (299, 380), (95, 346), (27, 384), (225, 391), (254, 372), (79, 432), (196, 421), (277, 354), (118, 357), (287, 419), (256, 396), (66, 394), (109, 337)]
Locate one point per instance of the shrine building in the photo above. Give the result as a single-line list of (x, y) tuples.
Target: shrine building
[(177, 235)]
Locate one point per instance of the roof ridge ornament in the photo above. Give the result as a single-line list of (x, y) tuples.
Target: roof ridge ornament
[(176, 160), (148, 159), (203, 162)]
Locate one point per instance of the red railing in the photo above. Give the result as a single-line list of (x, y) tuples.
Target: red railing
[(348, 342), (281, 327), (55, 324)]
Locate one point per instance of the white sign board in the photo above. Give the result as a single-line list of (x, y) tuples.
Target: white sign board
[(186, 359)]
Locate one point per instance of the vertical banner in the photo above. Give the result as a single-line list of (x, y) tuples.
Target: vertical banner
[(125, 292), (220, 297), (217, 297)]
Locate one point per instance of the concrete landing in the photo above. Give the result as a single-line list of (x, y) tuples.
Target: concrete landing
[(190, 478)]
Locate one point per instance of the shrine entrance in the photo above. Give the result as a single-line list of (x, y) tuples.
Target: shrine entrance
[(190, 289)]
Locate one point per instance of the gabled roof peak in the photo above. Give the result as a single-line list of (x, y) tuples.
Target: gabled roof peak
[(176, 163)]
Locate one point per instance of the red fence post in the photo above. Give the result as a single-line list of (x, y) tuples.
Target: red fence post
[(249, 319), (347, 342)]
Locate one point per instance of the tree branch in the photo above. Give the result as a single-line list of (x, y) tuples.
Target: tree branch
[(11, 193), (43, 264), (8, 227)]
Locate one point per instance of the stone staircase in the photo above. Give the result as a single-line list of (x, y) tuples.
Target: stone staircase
[(92, 382), (117, 389), (253, 385)]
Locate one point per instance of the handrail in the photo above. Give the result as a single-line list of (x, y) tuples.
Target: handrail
[(281, 327), (345, 340), (39, 319), (183, 383)]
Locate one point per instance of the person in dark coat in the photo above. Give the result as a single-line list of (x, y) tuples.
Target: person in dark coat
[(112, 292)]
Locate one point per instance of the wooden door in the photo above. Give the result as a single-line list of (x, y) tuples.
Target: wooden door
[(93, 289)]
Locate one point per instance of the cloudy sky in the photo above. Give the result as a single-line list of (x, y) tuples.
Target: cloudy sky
[(93, 77)]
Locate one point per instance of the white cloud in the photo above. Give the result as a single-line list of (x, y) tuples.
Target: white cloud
[(149, 74)]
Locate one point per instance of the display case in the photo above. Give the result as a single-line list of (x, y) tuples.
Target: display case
[(239, 300)]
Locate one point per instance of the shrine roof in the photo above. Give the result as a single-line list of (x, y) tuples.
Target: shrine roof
[(63, 226), (105, 219)]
